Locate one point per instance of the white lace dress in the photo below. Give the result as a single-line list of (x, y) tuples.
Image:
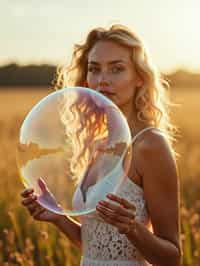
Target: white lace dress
[(102, 244)]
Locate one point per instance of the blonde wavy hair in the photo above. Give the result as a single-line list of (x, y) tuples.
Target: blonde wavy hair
[(151, 100), (82, 132)]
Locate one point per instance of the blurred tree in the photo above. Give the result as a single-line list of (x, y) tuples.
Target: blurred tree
[(30, 75), (42, 75)]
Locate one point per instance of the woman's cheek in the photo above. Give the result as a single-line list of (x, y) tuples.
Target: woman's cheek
[(91, 82)]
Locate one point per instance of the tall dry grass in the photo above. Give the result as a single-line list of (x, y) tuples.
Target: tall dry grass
[(26, 242)]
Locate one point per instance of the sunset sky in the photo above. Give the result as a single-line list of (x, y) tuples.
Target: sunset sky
[(45, 31)]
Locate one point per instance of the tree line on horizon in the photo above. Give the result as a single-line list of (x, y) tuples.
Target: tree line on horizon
[(14, 75)]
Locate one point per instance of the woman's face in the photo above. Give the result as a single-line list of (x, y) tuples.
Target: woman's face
[(111, 72)]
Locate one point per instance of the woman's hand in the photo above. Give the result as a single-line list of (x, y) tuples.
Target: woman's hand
[(35, 209), (121, 216)]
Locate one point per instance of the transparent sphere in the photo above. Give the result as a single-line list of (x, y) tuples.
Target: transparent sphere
[(74, 144)]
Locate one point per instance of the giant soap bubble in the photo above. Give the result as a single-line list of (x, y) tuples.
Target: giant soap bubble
[(74, 143)]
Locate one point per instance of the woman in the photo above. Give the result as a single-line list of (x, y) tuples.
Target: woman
[(144, 227)]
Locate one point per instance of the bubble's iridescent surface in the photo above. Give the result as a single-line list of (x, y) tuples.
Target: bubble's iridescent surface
[(75, 140)]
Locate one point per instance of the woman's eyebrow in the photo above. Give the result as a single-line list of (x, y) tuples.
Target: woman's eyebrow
[(110, 63)]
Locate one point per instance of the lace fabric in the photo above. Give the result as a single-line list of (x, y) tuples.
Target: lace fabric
[(102, 244), (89, 262)]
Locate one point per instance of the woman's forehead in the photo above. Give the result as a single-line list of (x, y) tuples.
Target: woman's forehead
[(108, 51)]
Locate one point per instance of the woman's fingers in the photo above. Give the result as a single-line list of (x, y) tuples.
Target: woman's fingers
[(125, 203), (26, 192), (121, 224), (107, 219), (32, 207), (43, 186), (29, 200), (121, 216), (119, 210), (124, 219), (118, 216)]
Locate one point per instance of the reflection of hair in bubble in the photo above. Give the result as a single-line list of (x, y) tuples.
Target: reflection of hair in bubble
[(85, 126), (151, 100)]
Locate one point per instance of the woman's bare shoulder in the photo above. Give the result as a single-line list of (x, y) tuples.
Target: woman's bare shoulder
[(153, 151), (151, 142)]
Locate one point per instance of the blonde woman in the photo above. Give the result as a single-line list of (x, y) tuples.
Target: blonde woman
[(144, 227)]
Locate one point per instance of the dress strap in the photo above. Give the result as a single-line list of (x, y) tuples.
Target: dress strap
[(140, 132)]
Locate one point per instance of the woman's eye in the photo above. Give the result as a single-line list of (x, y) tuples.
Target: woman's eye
[(93, 70), (114, 70), (117, 69)]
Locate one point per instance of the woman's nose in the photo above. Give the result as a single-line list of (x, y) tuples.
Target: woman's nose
[(103, 79)]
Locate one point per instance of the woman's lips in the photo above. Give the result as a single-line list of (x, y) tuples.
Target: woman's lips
[(108, 94)]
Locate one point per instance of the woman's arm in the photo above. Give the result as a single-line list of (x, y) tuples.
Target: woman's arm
[(71, 229), (160, 183), (68, 226), (161, 191), (156, 250)]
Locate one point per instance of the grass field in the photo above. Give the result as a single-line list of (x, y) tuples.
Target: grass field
[(26, 242)]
